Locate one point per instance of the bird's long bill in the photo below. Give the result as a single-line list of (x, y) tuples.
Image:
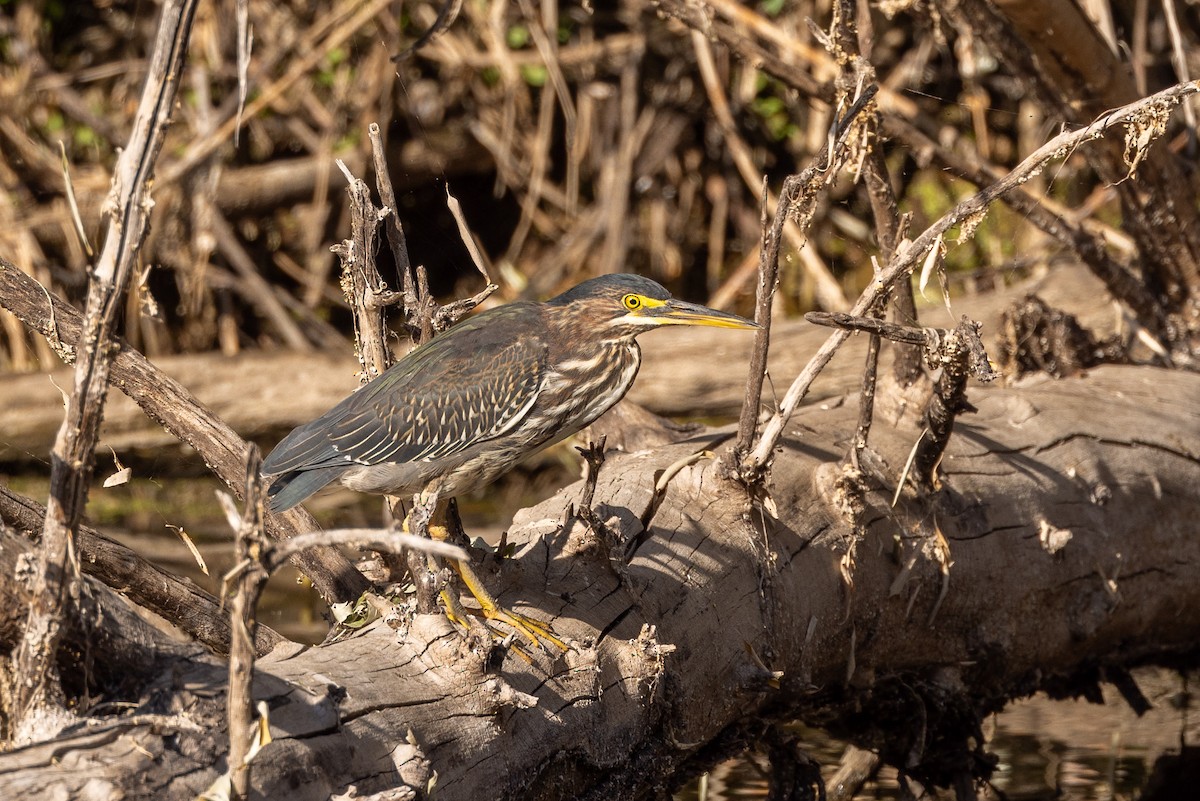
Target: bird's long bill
[(678, 312)]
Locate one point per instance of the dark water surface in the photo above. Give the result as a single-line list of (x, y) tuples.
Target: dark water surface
[(1047, 749)]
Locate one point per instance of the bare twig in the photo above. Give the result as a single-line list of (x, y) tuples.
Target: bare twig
[(931, 341), (377, 538), (957, 353), (593, 459), (1180, 60), (866, 399), (848, 38), (961, 355), (451, 313), (971, 208), (245, 40), (447, 13), (797, 199), (249, 547), (69, 186), (426, 583), (1046, 214), (392, 224), (768, 278), (361, 281), (37, 689)]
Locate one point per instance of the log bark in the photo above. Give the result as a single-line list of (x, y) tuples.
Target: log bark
[(1065, 527)]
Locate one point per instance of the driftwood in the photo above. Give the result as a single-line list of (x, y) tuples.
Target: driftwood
[(900, 631)]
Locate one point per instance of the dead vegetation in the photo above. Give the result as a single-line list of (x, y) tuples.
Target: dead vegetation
[(581, 139)]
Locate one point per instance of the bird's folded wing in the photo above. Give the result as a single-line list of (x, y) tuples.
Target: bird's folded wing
[(442, 403)]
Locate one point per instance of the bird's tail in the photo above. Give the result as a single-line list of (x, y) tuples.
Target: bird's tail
[(290, 489)]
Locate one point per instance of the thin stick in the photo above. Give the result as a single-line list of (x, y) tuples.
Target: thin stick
[(1058, 147), (249, 546), (866, 399), (884, 211), (1048, 216), (768, 276), (797, 199), (376, 538), (1180, 59), (71, 459), (392, 223), (80, 233)]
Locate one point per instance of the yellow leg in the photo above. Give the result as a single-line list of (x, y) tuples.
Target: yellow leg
[(488, 607), (492, 610), (454, 608)]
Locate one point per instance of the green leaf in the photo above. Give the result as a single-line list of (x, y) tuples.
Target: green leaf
[(534, 74), (517, 37)]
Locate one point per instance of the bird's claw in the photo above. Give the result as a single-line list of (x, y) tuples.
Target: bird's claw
[(533, 630)]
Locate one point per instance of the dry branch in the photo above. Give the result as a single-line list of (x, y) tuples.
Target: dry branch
[(196, 612), (797, 203), (172, 406), (34, 699), (970, 209), (249, 544)]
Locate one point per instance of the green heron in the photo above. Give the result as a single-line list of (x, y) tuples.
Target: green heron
[(462, 409)]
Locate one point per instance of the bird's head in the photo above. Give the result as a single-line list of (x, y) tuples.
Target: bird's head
[(625, 305)]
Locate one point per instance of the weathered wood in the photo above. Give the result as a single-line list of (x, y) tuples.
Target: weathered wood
[(174, 598), (1060, 54), (1069, 515), (32, 695)]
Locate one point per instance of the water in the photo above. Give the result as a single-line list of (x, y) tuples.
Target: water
[(1049, 750)]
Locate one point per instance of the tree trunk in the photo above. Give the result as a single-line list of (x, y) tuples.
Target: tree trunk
[(1061, 545)]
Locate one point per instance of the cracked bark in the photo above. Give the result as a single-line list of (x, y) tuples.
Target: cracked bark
[(665, 682)]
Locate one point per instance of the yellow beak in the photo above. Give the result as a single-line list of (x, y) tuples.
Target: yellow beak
[(679, 312)]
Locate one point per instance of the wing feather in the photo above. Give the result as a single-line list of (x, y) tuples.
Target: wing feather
[(463, 387)]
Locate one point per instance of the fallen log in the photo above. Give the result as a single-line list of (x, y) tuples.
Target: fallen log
[(1059, 549)]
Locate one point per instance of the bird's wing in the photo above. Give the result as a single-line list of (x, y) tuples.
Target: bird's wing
[(463, 387)]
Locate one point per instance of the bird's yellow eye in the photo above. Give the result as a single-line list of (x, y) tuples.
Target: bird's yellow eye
[(632, 302)]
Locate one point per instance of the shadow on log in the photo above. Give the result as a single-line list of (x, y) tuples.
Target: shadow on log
[(1068, 510)]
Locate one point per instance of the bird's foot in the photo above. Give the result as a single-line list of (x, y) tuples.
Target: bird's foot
[(534, 630)]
